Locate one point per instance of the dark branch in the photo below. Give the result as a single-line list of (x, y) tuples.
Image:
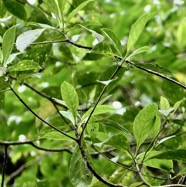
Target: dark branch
[(53, 127), (4, 164)]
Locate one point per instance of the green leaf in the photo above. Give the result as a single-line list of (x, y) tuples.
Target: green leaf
[(118, 141), (156, 128), (114, 40), (138, 51), (92, 129), (103, 48), (100, 109), (68, 115), (180, 35), (25, 65), (79, 174), (164, 103), (2, 97), (144, 122), (15, 8), (70, 97), (162, 164), (26, 38), (2, 71), (76, 10), (179, 154), (115, 125), (136, 31), (8, 43), (98, 36), (3, 84)]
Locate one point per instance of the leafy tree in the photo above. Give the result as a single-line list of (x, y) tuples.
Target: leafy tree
[(92, 93)]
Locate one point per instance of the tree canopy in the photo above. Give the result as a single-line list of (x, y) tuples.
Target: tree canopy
[(92, 93)]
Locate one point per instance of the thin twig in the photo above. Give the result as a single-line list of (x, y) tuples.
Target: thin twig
[(64, 41), (92, 170), (156, 73), (4, 164), (53, 127), (29, 142), (99, 98)]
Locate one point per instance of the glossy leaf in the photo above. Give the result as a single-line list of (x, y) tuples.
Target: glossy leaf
[(136, 31), (70, 97), (144, 122), (114, 40), (77, 9), (28, 37), (8, 43), (78, 171), (15, 8), (25, 65)]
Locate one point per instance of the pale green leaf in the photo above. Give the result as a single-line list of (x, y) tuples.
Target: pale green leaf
[(100, 109), (25, 65), (114, 40), (68, 115), (138, 51), (8, 43), (164, 103), (70, 97), (76, 10), (2, 71), (79, 174), (144, 122), (136, 31), (28, 37)]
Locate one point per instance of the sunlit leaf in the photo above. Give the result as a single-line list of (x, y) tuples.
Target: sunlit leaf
[(136, 31), (138, 51), (25, 65), (114, 40), (144, 122), (28, 37), (8, 43), (70, 97), (164, 103), (78, 171), (76, 10)]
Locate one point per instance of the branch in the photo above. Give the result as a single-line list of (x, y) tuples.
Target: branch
[(29, 142), (53, 127), (99, 98), (92, 170), (156, 73), (4, 164), (64, 41)]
